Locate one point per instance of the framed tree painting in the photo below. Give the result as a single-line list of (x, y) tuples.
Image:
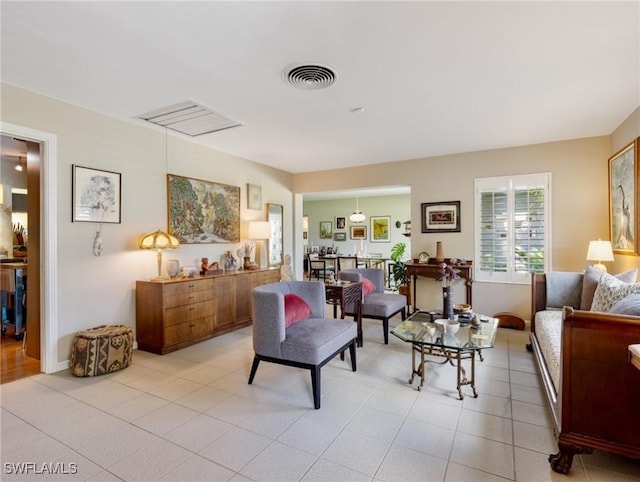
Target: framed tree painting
[(623, 200), (96, 195), (380, 232), (203, 212), (441, 217)]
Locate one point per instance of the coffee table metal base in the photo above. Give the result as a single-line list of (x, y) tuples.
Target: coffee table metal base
[(417, 369)]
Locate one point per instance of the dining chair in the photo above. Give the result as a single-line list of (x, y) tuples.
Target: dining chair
[(347, 262), (318, 267)]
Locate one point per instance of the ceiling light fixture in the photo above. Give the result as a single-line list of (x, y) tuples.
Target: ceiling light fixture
[(357, 216), (19, 165)]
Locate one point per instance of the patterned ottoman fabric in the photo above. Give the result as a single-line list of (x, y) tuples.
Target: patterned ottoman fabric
[(100, 350), (549, 334)]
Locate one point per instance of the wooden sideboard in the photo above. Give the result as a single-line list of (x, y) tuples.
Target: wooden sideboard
[(431, 270), (175, 313)]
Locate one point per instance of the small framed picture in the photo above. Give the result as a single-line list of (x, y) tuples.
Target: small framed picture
[(341, 222), (254, 196), (96, 195), (380, 229), (358, 232), (624, 182), (339, 236), (442, 217), (326, 231)]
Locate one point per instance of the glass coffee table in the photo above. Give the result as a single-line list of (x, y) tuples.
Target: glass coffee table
[(427, 339)]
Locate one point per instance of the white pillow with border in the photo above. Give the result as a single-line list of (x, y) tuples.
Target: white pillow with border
[(610, 290)]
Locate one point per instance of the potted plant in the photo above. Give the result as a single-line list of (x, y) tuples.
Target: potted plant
[(399, 270)]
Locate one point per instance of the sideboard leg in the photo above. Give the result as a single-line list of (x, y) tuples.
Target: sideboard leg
[(561, 462)]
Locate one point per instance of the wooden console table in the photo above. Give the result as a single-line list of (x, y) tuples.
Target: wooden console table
[(431, 270)]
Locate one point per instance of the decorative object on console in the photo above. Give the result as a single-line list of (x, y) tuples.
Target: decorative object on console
[(158, 240), (357, 216), (245, 251), (286, 272), (448, 274), (202, 212), (624, 176), (230, 263), (439, 252), (442, 217), (259, 231), (173, 268), (600, 251)]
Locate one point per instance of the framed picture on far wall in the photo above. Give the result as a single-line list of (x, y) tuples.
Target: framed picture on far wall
[(623, 199), (96, 195), (380, 229), (358, 232), (326, 231), (339, 236), (341, 222), (442, 217)]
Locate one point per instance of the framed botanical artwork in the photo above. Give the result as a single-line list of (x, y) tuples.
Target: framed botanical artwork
[(442, 217), (623, 199), (380, 232), (96, 196), (326, 230), (341, 222), (339, 236), (254, 196), (203, 212), (358, 232)]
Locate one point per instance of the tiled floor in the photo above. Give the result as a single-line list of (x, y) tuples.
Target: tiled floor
[(191, 416)]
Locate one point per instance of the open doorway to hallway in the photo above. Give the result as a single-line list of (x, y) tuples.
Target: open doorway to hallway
[(19, 258)]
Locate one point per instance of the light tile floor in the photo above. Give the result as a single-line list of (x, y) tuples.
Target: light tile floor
[(191, 416)]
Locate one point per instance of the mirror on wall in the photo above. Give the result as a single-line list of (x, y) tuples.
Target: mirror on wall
[(276, 240)]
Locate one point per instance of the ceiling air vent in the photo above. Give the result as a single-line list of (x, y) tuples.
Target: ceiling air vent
[(189, 118), (305, 75)]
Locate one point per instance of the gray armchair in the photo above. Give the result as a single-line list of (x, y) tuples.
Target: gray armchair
[(376, 305), (309, 343)]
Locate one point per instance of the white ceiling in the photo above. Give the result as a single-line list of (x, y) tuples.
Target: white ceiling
[(433, 77)]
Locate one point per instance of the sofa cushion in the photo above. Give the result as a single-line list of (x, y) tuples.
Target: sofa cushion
[(610, 290), (295, 309), (627, 306), (563, 289), (549, 334), (313, 340), (590, 283)]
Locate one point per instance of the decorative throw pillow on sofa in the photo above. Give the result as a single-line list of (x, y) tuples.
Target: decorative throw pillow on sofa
[(627, 306), (295, 309), (367, 286), (590, 283), (610, 290)]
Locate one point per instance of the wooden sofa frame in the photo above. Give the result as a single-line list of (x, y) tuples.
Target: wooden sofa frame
[(597, 403)]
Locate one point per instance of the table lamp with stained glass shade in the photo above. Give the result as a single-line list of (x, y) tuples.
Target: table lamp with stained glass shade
[(600, 251), (158, 240)]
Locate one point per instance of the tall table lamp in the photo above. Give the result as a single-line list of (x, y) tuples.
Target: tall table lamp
[(600, 251), (259, 230), (158, 240)]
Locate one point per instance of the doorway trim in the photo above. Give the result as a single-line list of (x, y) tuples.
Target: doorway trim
[(49, 229)]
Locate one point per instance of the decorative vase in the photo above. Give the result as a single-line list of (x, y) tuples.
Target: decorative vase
[(246, 261), (439, 252), (447, 302), (97, 244), (173, 267)]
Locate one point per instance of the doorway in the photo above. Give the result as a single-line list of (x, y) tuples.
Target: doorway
[(20, 257)]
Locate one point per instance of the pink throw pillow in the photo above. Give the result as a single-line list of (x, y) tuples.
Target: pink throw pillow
[(295, 309), (367, 286)]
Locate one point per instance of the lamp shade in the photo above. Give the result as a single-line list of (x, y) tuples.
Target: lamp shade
[(158, 240), (357, 217), (259, 230), (600, 251)]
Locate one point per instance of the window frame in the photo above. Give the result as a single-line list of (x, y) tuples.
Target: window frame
[(510, 184)]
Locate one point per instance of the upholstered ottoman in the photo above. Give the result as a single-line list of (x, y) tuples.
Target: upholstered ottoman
[(100, 350)]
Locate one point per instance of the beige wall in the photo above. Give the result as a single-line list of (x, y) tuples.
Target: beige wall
[(98, 290), (579, 205)]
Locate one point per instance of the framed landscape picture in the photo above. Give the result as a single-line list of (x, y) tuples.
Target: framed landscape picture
[(326, 230), (339, 236), (442, 217), (623, 200), (203, 212), (380, 229), (358, 232)]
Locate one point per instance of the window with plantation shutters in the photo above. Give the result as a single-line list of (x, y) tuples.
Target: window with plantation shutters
[(512, 227)]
